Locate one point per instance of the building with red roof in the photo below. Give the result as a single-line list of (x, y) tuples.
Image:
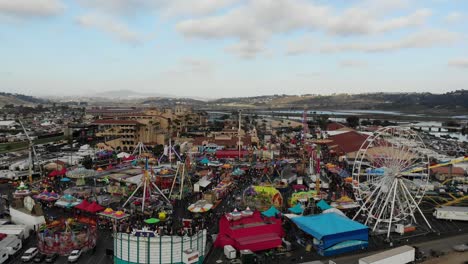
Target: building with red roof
[(448, 172), (334, 126), (346, 143)]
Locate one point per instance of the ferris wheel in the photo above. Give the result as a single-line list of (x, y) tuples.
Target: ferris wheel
[(390, 173)]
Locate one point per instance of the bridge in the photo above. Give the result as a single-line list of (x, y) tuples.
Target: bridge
[(433, 127)]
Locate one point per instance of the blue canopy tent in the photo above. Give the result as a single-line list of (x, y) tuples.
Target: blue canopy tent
[(238, 172), (323, 205), (334, 234), (204, 161), (271, 212), (297, 209)]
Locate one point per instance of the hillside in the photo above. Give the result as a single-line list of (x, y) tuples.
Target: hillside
[(19, 99), (452, 102)]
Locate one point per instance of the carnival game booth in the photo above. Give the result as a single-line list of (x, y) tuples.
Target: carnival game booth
[(302, 197), (67, 201), (249, 231), (21, 191), (333, 234), (223, 188), (63, 236), (262, 197)]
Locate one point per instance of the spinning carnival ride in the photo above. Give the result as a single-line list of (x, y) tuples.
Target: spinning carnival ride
[(383, 173)]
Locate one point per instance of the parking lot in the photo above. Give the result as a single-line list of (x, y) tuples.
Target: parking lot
[(99, 257)]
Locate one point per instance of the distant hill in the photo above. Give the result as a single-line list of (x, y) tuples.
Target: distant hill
[(456, 102), (19, 99), (161, 101), (128, 94)]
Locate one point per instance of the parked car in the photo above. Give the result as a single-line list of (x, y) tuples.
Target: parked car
[(29, 254), (39, 258), (461, 247), (51, 258), (74, 255)]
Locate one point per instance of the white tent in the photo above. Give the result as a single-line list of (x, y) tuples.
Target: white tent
[(123, 155)]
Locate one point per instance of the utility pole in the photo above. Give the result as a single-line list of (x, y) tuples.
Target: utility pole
[(239, 134)]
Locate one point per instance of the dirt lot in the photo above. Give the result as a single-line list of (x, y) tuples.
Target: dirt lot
[(452, 258)]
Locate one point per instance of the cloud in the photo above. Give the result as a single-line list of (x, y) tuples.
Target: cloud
[(196, 65), (109, 25), (168, 8), (459, 63), (258, 20), (172, 8), (453, 17), (119, 7), (353, 64), (422, 39), (247, 49), (191, 66), (31, 8)]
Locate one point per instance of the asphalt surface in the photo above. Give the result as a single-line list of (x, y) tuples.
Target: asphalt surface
[(98, 257), (105, 241), (443, 236)]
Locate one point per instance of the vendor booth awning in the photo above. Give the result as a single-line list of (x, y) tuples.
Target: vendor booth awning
[(250, 232), (94, 207), (271, 212), (226, 154), (297, 209), (323, 205), (83, 205), (334, 233), (203, 182)]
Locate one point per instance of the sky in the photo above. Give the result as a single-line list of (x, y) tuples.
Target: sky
[(232, 48)]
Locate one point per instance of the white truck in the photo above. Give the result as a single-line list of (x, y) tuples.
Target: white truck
[(400, 255), (452, 213), (21, 231), (12, 244), (3, 255)]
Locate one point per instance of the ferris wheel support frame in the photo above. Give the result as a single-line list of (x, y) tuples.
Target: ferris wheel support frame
[(391, 199)]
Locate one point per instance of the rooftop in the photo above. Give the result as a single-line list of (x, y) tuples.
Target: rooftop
[(115, 122), (446, 170)]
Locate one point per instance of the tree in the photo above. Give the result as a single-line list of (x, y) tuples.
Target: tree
[(376, 122), (366, 122), (87, 162), (158, 150), (323, 121), (353, 121)]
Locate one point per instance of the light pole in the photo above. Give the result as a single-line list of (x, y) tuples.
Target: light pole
[(239, 133)]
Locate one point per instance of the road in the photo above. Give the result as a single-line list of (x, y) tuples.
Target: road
[(444, 244)]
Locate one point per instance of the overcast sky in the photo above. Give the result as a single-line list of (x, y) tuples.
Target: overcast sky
[(221, 48)]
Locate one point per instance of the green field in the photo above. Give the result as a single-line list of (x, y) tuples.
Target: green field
[(15, 146)]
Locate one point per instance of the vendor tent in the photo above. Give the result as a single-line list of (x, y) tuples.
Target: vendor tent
[(271, 212), (152, 221), (334, 210), (297, 209), (238, 172), (55, 173), (333, 234), (250, 232), (203, 182), (123, 155), (94, 207), (323, 205), (83, 205)]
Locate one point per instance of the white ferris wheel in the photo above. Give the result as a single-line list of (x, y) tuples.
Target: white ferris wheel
[(390, 173)]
